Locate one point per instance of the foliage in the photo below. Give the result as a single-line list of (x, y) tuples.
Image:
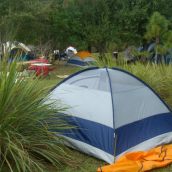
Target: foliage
[(66, 26), (27, 143), (25, 21), (105, 62), (142, 56), (81, 23), (157, 26), (158, 30), (97, 27)]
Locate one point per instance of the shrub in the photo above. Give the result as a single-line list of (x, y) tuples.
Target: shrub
[(26, 143)]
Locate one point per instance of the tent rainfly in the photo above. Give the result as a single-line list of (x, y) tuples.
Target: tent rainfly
[(114, 111), (82, 59)]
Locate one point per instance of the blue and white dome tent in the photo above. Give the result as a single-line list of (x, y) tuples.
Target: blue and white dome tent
[(113, 107)]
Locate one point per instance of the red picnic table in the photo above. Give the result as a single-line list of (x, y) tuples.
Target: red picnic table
[(41, 68)]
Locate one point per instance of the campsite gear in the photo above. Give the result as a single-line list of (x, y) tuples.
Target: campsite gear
[(62, 76), (114, 112), (156, 58), (63, 55), (141, 161), (16, 49), (71, 51), (82, 59), (128, 54), (168, 57), (40, 60), (115, 54), (83, 54), (8, 46), (41, 68)]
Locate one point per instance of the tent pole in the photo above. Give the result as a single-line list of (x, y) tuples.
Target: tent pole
[(113, 111)]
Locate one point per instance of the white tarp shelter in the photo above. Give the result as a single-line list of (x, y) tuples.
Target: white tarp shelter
[(8, 46)]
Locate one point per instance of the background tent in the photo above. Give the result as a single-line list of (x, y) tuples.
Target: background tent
[(113, 107), (70, 52), (8, 46), (160, 58), (17, 49), (82, 59)]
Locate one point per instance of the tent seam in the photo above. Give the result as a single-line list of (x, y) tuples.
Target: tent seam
[(110, 85), (113, 111)]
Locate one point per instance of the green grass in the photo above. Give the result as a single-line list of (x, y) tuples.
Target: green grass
[(159, 77), (26, 142)]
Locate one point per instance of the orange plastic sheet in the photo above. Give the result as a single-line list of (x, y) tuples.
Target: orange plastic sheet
[(141, 161)]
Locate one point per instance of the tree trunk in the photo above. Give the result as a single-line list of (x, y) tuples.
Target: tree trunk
[(102, 49)]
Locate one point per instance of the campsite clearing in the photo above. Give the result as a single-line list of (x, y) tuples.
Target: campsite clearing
[(86, 163)]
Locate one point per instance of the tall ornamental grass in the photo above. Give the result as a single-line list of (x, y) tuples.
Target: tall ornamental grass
[(26, 143)]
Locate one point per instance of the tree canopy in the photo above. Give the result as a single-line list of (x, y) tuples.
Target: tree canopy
[(81, 23)]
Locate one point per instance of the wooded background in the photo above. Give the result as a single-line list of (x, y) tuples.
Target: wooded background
[(102, 24)]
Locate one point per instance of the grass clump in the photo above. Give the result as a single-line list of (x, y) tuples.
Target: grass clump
[(26, 143)]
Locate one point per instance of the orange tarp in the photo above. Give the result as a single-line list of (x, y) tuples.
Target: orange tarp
[(83, 54), (141, 161)]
